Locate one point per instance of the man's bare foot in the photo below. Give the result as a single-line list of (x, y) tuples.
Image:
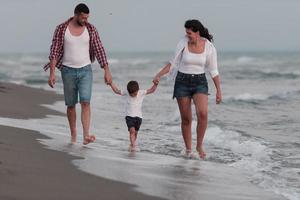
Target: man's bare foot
[(201, 153), (89, 139)]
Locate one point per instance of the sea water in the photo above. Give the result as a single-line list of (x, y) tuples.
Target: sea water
[(252, 141)]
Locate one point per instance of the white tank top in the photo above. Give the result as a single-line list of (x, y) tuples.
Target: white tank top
[(193, 63), (76, 49)]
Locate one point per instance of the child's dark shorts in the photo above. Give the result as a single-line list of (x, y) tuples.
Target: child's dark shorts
[(133, 122)]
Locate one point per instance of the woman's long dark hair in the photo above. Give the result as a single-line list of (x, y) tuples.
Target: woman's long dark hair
[(195, 25)]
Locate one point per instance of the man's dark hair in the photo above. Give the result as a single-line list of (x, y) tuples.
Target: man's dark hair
[(81, 8), (132, 87)]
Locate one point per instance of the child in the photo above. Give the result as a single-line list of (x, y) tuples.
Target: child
[(134, 99)]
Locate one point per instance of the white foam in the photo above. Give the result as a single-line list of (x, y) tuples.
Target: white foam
[(250, 97), (113, 61), (139, 61), (132, 170), (29, 59), (245, 59), (254, 159)]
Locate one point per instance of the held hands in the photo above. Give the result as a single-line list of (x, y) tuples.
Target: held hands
[(156, 80)]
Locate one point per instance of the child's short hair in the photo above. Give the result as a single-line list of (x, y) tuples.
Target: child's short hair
[(132, 87)]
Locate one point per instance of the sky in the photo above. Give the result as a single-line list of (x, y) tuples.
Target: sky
[(27, 26)]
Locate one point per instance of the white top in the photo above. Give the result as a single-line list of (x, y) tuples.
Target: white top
[(76, 49), (192, 63), (189, 63), (134, 104)]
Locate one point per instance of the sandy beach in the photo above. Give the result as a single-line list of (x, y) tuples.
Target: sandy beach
[(34, 166), (30, 171)]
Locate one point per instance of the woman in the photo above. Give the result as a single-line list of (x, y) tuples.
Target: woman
[(194, 55)]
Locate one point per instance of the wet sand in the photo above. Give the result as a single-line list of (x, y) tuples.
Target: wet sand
[(30, 171)]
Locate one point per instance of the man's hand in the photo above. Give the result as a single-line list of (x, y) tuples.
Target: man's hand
[(51, 81), (107, 76)]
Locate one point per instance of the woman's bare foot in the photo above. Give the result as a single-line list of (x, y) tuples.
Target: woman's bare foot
[(89, 139), (188, 153), (73, 139), (201, 152)]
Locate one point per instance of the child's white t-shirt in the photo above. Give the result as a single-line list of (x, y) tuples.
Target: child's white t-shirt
[(134, 104)]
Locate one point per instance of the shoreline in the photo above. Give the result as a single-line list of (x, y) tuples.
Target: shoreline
[(22, 102), (28, 170)]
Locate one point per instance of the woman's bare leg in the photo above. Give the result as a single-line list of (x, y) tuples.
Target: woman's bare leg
[(184, 105), (201, 105)]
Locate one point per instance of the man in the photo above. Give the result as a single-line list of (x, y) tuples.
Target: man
[(75, 45)]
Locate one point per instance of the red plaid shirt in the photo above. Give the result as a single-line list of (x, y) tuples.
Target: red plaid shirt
[(57, 47)]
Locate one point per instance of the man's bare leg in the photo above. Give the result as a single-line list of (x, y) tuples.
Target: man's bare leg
[(85, 120), (71, 114)]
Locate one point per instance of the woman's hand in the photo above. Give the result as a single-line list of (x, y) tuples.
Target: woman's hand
[(218, 97), (162, 72)]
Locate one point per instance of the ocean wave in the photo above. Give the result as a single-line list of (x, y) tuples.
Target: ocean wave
[(240, 145), (248, 153), (139, 61), (259, 98), (9, 62), (113, 61), (33, 60), (246, 98), (250, 97), (258, 159), (3, 76), (258, 74), (245, 59), (36, 81)]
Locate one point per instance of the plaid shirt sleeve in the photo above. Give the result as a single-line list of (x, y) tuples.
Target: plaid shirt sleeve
[(98, 49), (56, 49), (57, 44)]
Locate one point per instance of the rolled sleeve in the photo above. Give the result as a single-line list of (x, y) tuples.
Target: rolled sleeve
[(99, 50), (212, 64), (57, 45)]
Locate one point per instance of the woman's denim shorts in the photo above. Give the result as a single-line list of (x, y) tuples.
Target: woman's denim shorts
[(186, 85), (77, 82)]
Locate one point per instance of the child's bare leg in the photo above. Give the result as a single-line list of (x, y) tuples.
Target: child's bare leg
[(132, 137), (136, 133)]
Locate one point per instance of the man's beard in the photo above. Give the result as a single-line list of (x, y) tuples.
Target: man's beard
[(79, 23)]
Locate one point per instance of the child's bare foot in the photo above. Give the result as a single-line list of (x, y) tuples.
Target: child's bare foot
[(201, 152), (132, 148), (89, 139)]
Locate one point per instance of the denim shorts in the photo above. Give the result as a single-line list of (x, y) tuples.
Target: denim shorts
[(133, 122), (186, 85), (77, 82)]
